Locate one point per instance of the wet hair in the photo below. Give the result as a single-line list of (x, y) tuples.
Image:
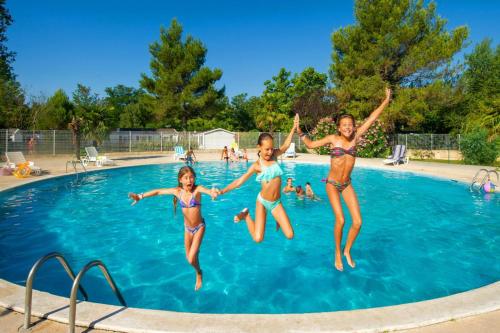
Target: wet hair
[(182, 172), (344, 116), (298, 189), (308, 183), (289, 178), (262, 137)]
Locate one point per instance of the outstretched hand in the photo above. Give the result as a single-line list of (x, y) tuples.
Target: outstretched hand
[(134, 197)]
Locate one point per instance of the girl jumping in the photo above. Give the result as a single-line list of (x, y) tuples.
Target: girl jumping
[(269, 199), (188, 194), (343, 156)]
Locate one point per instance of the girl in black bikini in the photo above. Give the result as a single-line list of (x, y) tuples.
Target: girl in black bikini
[(188, 194), (339, 177)]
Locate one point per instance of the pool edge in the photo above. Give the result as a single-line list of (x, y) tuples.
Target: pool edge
[(109, 317)]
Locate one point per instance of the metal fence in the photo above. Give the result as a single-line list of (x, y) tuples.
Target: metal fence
[(427, 141), (56, 142)]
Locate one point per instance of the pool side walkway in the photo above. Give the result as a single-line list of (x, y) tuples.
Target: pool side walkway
[(474, 311)]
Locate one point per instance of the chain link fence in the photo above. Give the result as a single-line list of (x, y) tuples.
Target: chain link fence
[(57, 142)]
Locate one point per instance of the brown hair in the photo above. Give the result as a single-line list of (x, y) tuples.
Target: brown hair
[(262, 137), (344, 116), (182, 172)]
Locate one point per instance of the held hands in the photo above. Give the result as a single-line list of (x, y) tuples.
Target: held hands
[(214, 193)]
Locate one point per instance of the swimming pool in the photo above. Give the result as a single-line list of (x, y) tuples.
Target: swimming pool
[(422, 238)]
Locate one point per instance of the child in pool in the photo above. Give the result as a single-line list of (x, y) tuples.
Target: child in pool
[(268, 200), (289, 186), (188, 194), (309, 192), (190, 157), (299, 191)]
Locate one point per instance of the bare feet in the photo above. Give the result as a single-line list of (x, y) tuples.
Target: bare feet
[(349, 259), (199, 280), (241, 215), (338, 262)]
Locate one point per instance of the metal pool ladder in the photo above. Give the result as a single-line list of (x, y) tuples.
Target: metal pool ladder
[(74, 289), (478, 181)]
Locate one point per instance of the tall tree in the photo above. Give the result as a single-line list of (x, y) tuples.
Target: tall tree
[(13, 111), (481, 82), (311, 98), (56, 113), (180, 86), (87, 117), (398, 42), (276, 103), (118, 99)]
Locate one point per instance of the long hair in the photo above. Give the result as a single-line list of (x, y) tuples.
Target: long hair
[(182, 172), (262, 137), (344, 116)]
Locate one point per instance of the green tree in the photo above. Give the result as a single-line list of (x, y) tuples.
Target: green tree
[(276, 104), (56, 112), (87, 117), (311, 98), (13, 111), (180, 86), (481, 81), (402, 43), (120, 98)]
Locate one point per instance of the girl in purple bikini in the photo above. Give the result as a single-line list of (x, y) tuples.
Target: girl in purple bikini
[(343, 156), (188, 195)]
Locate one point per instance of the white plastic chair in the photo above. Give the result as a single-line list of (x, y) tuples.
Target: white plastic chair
[(14, 158), (179, 153), (290, 152)]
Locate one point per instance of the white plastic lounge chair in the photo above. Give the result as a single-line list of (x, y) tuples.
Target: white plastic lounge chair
[(93, 156), (290, 152), (179, 153), (398, 156), (14, 158), (393, 159), (403, 158)]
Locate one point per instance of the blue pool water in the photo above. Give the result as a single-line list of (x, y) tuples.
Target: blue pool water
[(422, 238)]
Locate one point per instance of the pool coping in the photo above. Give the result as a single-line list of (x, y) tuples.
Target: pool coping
[(121, 319), (405, 316)]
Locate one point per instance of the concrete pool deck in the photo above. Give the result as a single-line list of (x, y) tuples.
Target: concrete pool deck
[(475, 310)]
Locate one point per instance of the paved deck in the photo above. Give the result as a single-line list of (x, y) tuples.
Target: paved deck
[(489, 321)]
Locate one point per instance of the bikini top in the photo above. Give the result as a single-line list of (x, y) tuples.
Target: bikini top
[(268, 172), (339, 152), (192, 202)]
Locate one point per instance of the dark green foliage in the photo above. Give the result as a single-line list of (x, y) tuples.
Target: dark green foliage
[(476, 149), (481, 82), (180, 86), (56, 112), (401, 43)]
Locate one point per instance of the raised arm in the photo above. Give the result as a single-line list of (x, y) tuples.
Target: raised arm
[(374, 115), (314, 144), (152, 193), (238, 182), (204, 190), (289, 138)]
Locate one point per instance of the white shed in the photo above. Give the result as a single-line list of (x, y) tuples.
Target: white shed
[(217, 138)]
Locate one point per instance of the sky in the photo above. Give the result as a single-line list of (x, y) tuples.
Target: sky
[(103, 43)]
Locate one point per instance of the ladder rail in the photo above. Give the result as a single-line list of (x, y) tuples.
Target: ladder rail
[(31, 277), (76, 284)]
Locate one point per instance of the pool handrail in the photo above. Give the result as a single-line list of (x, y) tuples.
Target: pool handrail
[(31, 277), (485, 178), (76, 285)]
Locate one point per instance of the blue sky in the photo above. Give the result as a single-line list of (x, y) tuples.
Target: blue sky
[(100, 44)]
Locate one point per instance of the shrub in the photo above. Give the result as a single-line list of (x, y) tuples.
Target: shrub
[(374, 142), (476, 149), (326, 126)]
